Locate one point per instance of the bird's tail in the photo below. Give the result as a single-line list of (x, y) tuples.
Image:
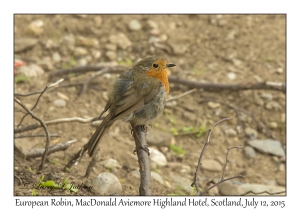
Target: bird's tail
[(95, 139)]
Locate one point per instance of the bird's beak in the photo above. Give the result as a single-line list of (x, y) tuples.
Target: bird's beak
[(170, 65)]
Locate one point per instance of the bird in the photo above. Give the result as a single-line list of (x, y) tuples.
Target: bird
[(137, 96)]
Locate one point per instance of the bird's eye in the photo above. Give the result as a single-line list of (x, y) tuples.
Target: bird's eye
[(155, 65)]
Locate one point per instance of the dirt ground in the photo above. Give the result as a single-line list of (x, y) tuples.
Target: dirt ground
[(225, 49)]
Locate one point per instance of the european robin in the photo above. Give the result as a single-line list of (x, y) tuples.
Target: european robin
[(137, 96)]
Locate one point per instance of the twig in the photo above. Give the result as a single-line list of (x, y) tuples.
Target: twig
[(45, 128), (250, 191), (195, 182), (181, 95), (38, 99), (35, 135), (57, 121), (227, 160), (55, 148), (268, 85), (18, 179), (75, 159), (139, 135)]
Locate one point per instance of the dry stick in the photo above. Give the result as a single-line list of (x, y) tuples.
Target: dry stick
[(224, 170), (55, 148), (45, 128), (35, 135), (195, 182), (143, 159)]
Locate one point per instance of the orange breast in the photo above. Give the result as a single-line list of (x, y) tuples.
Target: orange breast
[(162, 76)]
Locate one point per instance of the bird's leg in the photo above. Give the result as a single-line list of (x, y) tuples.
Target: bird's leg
[(144, 147)]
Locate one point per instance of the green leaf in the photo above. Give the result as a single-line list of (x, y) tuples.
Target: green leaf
[(176, 149)]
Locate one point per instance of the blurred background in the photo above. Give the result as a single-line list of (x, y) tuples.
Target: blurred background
[(222, 49)]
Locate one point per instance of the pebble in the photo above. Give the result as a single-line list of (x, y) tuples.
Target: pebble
[(182, 168), (274, 106), (158, 138), (110, 163), (230, 35), (135, 173), (273, 125), (279, 70), (282, 167), (50, 44), (231, 76), (152, 24), (69, 41), (107, 184), (249, 152), (227, 188), (82, 62), (179, 49), (112, 55), (121, 40), (56, 57), (23, 44), (111, 47), (269, 146), (211, 165), (251, 133), (158, 158), (267, 96), (35, 28), (98, 20), (46, 64), (96, 54), (213, 105), (155, 176), (87, 42), (231, 132), (135, 25), (182, 182), (260, 188), (31, 70), (60, 103), (80, 51)]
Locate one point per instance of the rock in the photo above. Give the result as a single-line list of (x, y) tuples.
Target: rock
[(274, 106), (60, 103), (80, 51), (211, 165), (135, 25), (83, 61), (23, 44), (69, 41), (158, 138), (110, 163), (111, 47), (227, 188), (50, 44), (260, 188), (46, 64), (267, 96), (179, 49), (121, 40), (96, 54), (107, 184), (231, 76), (182, 182), (112, 55), (213, 105), (152, 24), (272, 147), (279, 70), (231, 35), (282, 167), (273, 125), (56, 57), (31, 70), (157, 157), (231, 132), (155, 176), (135, 173), (249, 152), (35, 28), (98, 20), (251, 133), (182, 168), (87, 42)]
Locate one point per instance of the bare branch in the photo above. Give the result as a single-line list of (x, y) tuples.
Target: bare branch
[(35, 135), (181, 95)]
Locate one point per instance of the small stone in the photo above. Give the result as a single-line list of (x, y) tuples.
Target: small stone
[(82, 62), (279, 70), (274, 106), (111, 47), (110, 163), (237, 62), (268, 146), (218, 112), (213, 105), (267, 96), (251, 133), (98, 20), (96, 54), (23, 44), (135, 25), (158, 138), (152, 24), (56, 57), (273, 125), (121, 40), (80, 51), (35, 28), (31, 70), (87, 42), (135, 173), (179, 49), (227, 188), (155, 176), (112, 55), (182, 182), (50, 44), (46, 64), (231, 132), (231, 76), (107, 184), (282, 167), (249, 152), (60, 103), (211, 165), (157, 157), (163, 37), (62, 96)]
